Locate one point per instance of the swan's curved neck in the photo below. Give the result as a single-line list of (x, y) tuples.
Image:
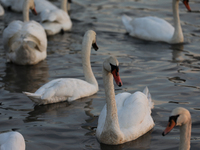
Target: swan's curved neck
[(26, 10), (64, 5), (185, 135), (111, 133), (178, 34), (87, 70)]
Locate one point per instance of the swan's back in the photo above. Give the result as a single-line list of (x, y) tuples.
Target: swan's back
[(12, 141), (149, 28), (134, 114)]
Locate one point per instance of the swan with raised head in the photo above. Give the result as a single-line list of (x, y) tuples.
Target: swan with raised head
[(12, 141), (156, 29), (70, 89), (56, 20), (126, 116), (180, 117), (25, 42)]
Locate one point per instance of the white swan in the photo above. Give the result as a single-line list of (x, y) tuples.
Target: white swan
[(56, 20), (126, 116), (1, 10), (70, 89), (156, 29), (17, 5), (180, 117), (25, 42), (12, 141)]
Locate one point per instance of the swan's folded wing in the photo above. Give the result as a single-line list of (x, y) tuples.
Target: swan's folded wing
[(13, 28), (37, 33)]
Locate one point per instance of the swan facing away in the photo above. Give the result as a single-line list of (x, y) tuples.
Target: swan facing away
[(12, 141), (56, 20), (156, 29), (70, 89), (126, 116), (180, 117), (25, 42)]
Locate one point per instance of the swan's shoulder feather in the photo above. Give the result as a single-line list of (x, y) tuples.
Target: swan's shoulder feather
[(12, 141), (13, 28)]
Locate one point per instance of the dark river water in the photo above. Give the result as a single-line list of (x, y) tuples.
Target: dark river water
[(171, 72)]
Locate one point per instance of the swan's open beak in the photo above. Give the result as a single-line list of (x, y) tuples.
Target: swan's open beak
[(116, 76), (186, 3), (94, 45), (34, 11), (169, 127)]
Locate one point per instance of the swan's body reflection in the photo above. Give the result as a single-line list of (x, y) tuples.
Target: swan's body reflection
[(25, 78)]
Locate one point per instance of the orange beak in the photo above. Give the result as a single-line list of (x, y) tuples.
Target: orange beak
[(116, 76), (34, 11), (186, 3), (169, 127)]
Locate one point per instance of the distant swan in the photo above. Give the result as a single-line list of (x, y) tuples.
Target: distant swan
[(56, 20), (1, 10), (70, 89), (181, 117), (156, 29), (25, 42), (12, 141), (126, 116)]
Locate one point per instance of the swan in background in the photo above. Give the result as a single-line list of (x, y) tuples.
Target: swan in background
[(17, 5), (180, 117), (70, 89), (157, 29), (25, 42), (1, 10), (126, 116), (12, 141), (57, 20)]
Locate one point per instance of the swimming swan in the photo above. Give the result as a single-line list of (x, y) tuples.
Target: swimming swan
[(25, 42), (70, 89), (56, 20), (156, 29), (180, 117), (126, 116)]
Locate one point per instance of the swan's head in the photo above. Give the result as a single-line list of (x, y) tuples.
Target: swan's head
[(186, 3), (91, 36), (111, 65), (179, 117)]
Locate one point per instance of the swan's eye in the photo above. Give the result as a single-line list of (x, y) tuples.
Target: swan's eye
[(113, 67), (94, 45), (174, 118)]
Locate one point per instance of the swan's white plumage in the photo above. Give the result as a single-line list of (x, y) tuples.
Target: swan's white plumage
[(63, 89), (149, 28), (17, 5), (156, 29), (55, 20), (25, 42), (12, 141), (70, 89), (134, 115)]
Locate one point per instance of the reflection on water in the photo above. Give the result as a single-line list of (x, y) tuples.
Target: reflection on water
[(142, 143), (32, 76)]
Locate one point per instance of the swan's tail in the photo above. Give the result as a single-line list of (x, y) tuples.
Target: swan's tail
[(126, 21), (34, 97), (147, 93)]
